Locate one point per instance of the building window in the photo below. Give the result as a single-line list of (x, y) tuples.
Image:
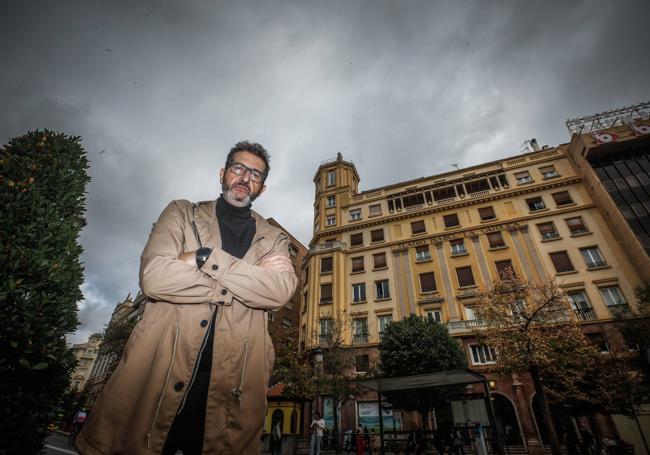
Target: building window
[(457, 247), (375, 210), (561, 262), (326, 293), (599, 341), (427, 282), (451, 220), (331, 200), (482, 355), (548, 172), (581, 306), (379, 260), (360, 330), (562, 198), (359, 292), (495, 240), (548, 231), (357, 264), (434, 315), (592, 257), (325, 330), (417, 227), (326, 265), (330, 220), (486, 213), (422, 253), (615, 301), (504, 269), (382, 323), (576, 226), (381, 289), (535, 204), (361, 363), (377, 235), (465, 276), (356, 239), (331, 178), (355, 215), (523, 177)]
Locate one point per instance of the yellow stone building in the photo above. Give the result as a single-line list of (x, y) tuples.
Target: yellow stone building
[(86, 354), (425, 246)]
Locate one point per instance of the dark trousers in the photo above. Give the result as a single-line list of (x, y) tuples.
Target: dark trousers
[(187, 430)]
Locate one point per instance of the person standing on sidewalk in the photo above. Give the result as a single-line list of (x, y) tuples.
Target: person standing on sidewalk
[(317, 426), (194, 373), (276, 439)]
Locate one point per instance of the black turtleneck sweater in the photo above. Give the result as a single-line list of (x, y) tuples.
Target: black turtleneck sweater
[(237, 227)]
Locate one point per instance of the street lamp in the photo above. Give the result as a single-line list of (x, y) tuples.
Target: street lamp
[(317, 355)]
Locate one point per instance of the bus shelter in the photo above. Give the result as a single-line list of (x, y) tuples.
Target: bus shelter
[(428, 381)]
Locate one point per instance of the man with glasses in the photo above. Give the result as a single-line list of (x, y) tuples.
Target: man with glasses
[(194, 372)]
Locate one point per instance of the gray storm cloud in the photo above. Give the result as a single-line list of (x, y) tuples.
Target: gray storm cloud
[(159, 91)]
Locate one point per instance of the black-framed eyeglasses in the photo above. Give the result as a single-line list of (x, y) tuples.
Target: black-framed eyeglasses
[(240, 169)]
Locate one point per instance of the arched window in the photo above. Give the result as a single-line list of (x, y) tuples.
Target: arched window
[(278, 416)]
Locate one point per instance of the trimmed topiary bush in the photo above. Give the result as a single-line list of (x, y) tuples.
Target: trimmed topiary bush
[(43, 176)]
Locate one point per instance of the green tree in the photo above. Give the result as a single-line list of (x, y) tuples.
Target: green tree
[(417, 345), (43, 176), (292, 366), (114, 341)]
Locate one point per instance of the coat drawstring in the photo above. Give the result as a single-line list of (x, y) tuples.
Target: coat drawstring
[(162, 394), (237, 392)]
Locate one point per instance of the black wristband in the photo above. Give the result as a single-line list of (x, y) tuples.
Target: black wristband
[(202, 255)]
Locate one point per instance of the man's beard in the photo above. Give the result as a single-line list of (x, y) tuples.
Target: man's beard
[(237, 200)]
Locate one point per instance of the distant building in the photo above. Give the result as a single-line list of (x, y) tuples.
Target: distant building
[(288, 316), (127, 310), (86, 354), (578, 212)]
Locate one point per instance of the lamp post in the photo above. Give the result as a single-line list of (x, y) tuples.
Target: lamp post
[(317, 355)]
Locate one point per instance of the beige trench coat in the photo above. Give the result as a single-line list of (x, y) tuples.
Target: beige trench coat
[(135, 410)]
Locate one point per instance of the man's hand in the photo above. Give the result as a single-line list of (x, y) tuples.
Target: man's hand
[(188, 257), (278, 263)]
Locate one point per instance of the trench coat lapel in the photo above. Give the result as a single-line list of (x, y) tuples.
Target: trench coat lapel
[(208, 225)]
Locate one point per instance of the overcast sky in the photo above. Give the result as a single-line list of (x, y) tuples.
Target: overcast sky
[(160, 90)]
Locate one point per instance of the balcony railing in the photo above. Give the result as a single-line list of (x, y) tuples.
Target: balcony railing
[(328, 246), (620, 309), (325, 339), (360, 338), (585, 314), (464, 326)]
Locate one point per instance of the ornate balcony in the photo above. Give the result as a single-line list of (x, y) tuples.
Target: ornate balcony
[(620, 310), (455, 327), (360, 338), (585, 314)]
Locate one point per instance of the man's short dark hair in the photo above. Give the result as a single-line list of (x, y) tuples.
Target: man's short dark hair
[(254, 148)]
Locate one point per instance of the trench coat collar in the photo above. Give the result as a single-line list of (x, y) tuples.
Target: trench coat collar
[(205, 217)]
